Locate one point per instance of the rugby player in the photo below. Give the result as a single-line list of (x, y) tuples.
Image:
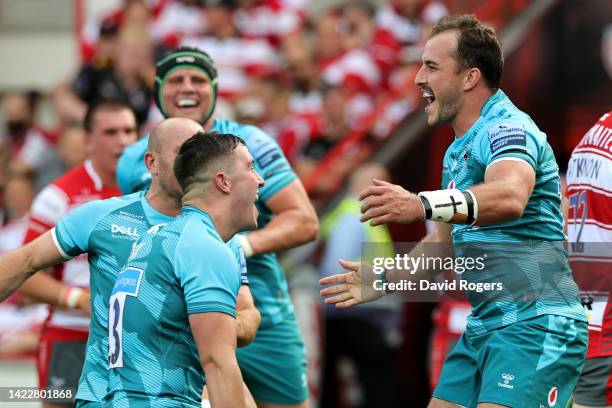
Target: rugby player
[(176, 297), (110, 126), (105, 230), (589, 230), (274, 365), (500, 185)]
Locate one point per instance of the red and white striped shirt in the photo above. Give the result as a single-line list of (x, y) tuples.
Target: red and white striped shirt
[(589, 228)]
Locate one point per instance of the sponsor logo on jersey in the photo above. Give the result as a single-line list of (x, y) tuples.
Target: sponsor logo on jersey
[(504, 134), (507, 378), (552, 396), (123, 230)]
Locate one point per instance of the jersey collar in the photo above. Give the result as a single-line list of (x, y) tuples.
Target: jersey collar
[(203, 215), (95, 177)]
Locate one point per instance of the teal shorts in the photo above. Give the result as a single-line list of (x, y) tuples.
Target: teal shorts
[(531, 363), (274, 365)]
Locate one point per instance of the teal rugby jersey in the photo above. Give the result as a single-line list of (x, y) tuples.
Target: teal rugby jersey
[(175, 270), (105, 230), (267, 279), (534, 265)]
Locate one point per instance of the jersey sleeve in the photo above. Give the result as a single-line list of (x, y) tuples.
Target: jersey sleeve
[(234, 245), (270, 162), (71, 235), (508, 140), (210, 282), (132, 174), (48, 207)]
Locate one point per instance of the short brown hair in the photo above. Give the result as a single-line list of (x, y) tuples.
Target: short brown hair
[(100, 105), (477, 46)]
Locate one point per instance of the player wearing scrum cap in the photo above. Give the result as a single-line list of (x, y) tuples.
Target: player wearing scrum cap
[(274, 365)]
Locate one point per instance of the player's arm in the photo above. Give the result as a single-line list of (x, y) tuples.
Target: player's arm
[(215, 336), (247, 316), (20, 264), (502, 197), (294, 222), (46, 289)]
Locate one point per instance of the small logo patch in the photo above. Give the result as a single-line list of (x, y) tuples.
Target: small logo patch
[(507, 134), (552, 396), (507, 380)]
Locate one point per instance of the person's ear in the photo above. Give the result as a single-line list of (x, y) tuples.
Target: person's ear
[(222, 182), (471, 78), (151, 162)]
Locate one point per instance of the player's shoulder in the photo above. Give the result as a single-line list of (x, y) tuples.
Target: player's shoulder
[(251, 135), (501, 113), (126, 204)]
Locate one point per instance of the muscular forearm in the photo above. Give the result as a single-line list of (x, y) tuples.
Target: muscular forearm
[(286, 230), (15, 268), (247, 321), (224, 381), (43, 288)]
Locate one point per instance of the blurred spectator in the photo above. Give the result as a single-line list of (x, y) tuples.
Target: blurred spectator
[(227, 48), (130, 79), (332, 126), (131, 12), (71, 147), (368, 335), (306, 98), (18, 195), (29, 150), (20, 321), (273, 20), (178, 19), (401, 29), (342, 58)]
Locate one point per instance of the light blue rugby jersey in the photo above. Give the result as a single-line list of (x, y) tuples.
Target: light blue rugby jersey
[(105, 230), (267, 279), (535, 265), (175, 270)]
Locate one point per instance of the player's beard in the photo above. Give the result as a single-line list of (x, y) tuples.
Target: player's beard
[(446, 110)]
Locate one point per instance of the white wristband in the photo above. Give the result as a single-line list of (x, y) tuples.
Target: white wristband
[(69, 297), (450, 206), (246, 245)]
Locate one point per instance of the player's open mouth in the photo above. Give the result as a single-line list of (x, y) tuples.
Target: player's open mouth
[(187, 103), (429, 96)]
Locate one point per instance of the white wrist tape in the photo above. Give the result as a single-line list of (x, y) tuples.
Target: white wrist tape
[(246, 245), (69, 297), (451, 206)]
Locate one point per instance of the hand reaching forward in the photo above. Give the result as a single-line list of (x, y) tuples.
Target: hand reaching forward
[(385, 202), (351, 288)]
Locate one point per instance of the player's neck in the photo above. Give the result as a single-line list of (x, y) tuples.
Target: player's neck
[(217, 210), (470, 111), (162, 202)]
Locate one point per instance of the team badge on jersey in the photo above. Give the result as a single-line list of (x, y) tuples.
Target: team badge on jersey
[(552, 396)]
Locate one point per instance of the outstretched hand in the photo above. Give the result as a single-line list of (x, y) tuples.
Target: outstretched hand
[(351, 288), (384, 203)]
